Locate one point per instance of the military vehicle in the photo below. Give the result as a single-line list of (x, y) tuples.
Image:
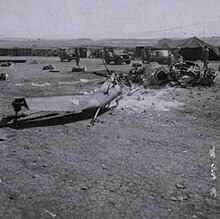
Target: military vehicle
[(159, 56), (116, 56), (65, 56)]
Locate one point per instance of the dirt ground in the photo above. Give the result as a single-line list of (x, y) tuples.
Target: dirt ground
[(156, 155)]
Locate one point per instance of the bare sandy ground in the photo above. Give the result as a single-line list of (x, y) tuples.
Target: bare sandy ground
[(155, 156)]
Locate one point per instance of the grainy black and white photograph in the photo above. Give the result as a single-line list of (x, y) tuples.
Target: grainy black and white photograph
[(109, 109)]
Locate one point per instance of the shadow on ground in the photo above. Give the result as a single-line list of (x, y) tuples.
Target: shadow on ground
[(53, 119)]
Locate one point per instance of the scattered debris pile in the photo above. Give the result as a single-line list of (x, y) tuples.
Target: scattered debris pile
[(136, 98), (136, 74), (156, 75), (49, 67), (7, 64), (79, 69), (189, 74), (137, 95), (149, 75), (209, 77), (182, 74)]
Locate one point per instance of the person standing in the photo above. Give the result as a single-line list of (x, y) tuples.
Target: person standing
[(169, 57), (77, 56), (148, 56), (176, 57), (205, 57)]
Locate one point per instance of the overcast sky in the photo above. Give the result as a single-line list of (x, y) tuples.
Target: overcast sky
[(98, 19)]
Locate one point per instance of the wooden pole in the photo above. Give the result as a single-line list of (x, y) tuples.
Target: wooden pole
[(96, 114)]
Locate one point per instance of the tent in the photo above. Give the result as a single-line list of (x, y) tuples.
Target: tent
[(190, 48)]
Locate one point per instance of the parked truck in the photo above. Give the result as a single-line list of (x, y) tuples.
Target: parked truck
[(116, 56), (65, 56)]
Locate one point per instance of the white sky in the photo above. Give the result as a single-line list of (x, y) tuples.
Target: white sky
[(109, 18)]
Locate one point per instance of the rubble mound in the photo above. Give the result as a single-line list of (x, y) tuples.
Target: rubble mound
[(148, 99)]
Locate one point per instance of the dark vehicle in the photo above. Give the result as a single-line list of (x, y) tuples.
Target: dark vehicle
[(64, 56), (96, 54), (160, 56), (117, 56)]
